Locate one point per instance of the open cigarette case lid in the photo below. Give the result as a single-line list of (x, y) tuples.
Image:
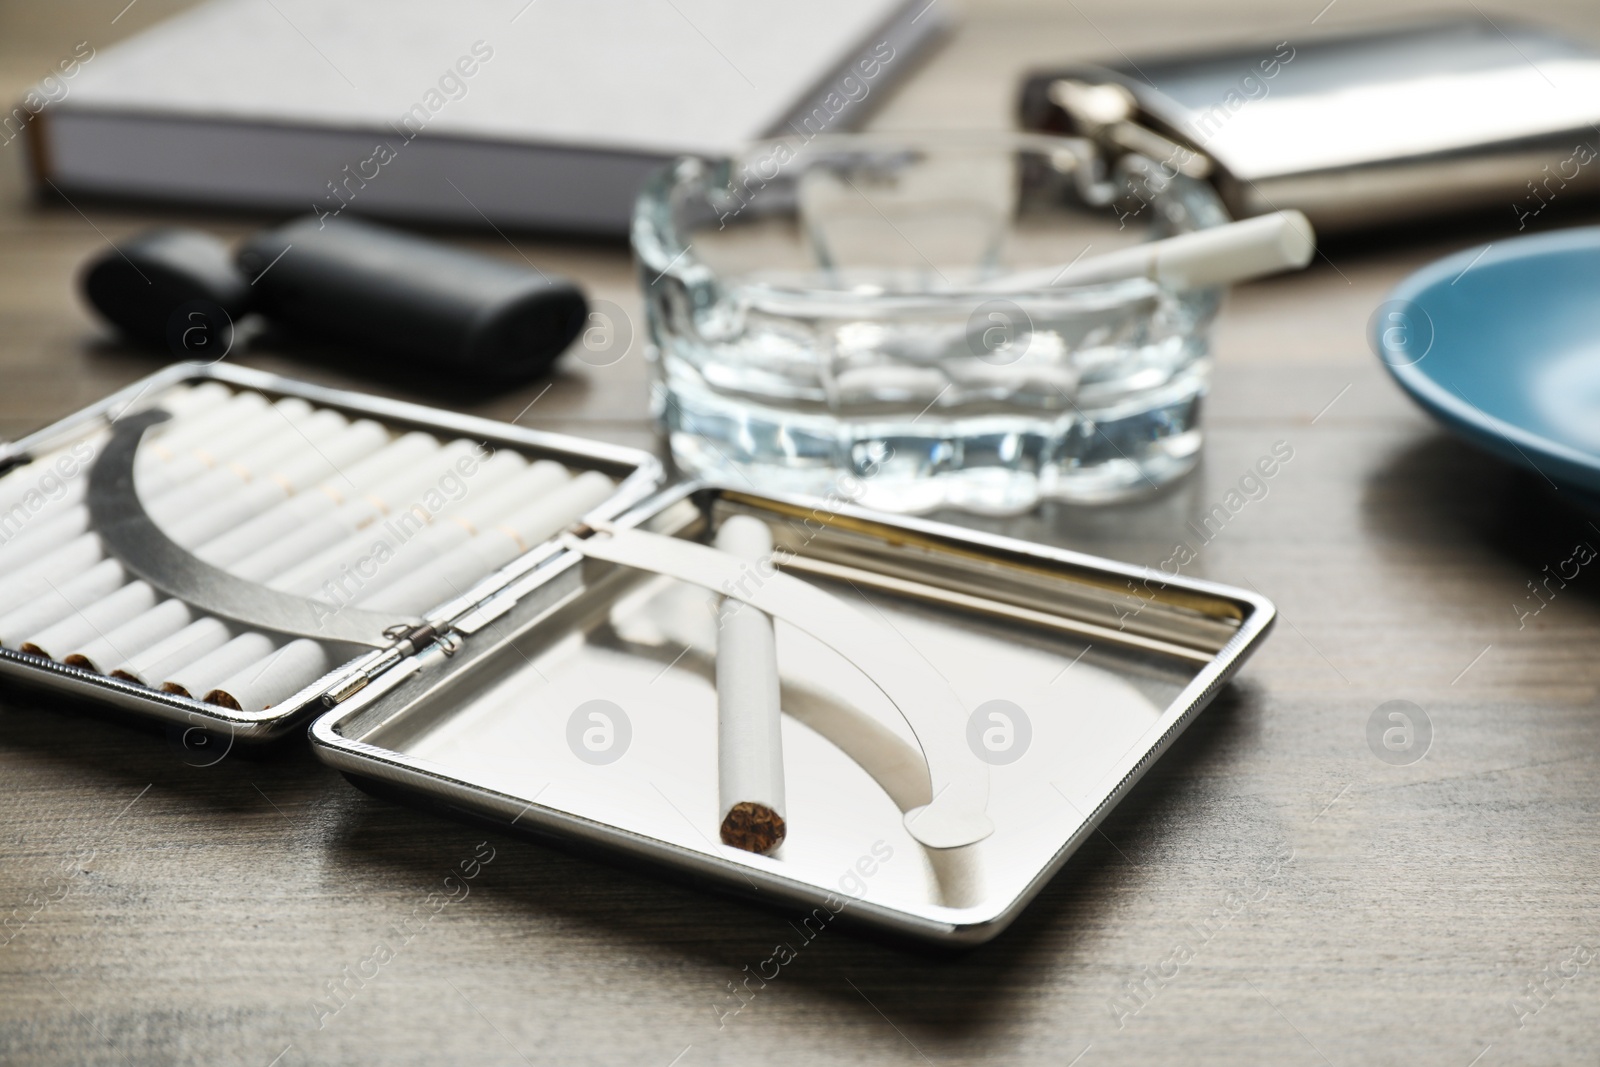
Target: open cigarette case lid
[(959, 710), (1354, 129), (357, 642)]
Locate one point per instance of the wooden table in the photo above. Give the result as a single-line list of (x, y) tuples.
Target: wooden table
[(199, 915)]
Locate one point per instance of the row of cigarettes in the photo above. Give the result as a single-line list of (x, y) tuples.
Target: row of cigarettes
[(293, 497)]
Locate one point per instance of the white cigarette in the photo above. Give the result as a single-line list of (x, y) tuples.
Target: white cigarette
[(23, 479), (295, 436), (269, 681), (456, 570), (167, 442), (241, 424), (198, 678), (96, 583), (63, 548), (37, 541), (172, 654), (306, 467), (749, 719), (310, 538), (197, 425), (50, 571), (192, 425), (1220, 255), (20, 482), (197, 416), (180, 401), (55, 488), (38, 523), (28, 500), (138, 634), (396, 531), (81, 627), (155, 664), (459, 524), (298, 664), (410, 456), (353, 583)]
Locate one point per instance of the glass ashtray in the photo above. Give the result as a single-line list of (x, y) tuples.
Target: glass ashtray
[(831, 316)]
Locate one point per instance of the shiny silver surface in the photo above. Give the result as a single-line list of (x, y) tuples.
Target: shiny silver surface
[(490, 729), (639, 475), (1399, 123)]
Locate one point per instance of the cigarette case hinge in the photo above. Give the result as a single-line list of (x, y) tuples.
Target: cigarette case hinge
[(413, 641)]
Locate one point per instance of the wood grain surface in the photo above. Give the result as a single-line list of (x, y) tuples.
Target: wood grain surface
[(1338, 910)]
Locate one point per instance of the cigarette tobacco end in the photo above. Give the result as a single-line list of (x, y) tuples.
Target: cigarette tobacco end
[(223, 700), (753, 827), (174, 687)]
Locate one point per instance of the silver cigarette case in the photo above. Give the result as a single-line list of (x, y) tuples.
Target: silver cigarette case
[(571, 697), (582, 707), (1359, 129), (637, 474)]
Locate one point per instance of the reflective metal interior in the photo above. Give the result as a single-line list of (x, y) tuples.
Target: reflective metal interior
[(1020, 631)]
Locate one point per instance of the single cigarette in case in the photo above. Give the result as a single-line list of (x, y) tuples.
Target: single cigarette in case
[(280, 675), (83, 626), (198, 678), (749, 719), (139, 633), (50, 572), (182, 402), (99, 581), (32, 487), (171, 654)]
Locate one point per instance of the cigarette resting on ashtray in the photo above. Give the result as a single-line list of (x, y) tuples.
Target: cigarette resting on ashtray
[(1219, 255), (749, 726)]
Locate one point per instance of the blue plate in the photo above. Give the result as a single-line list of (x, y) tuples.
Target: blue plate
[(1502, 345)]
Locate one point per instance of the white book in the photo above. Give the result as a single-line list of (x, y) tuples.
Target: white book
[(545, 114)]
